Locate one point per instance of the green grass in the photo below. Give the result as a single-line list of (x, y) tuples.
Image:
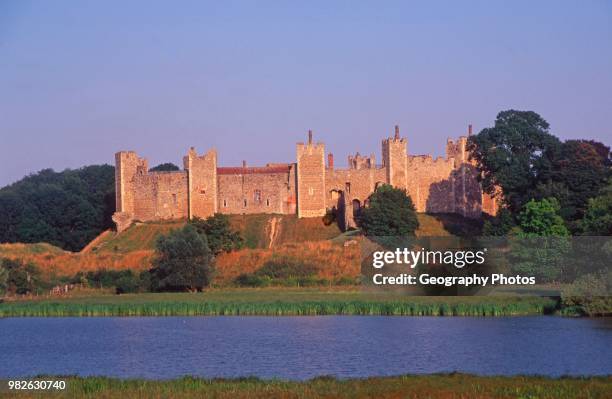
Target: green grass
[(278, 302), (409, 386), (137, 237)]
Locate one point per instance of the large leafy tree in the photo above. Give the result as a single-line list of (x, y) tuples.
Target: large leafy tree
[(516, 154), (67, 209), (579, 172), (220, 236), (390, 212), (183, 261)]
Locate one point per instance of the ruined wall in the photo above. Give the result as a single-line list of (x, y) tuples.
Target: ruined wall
[(202, 183), (256, 190), (310, 179)]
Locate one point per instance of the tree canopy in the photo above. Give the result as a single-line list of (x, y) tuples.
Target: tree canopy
[(390, 212), (516, 154), (183, 261), (164, 167), (67, 209), (220, 236)]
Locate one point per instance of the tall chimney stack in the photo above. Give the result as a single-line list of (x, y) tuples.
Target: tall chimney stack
[(310, 137), (397, 132), (330, 160), (470, 129)]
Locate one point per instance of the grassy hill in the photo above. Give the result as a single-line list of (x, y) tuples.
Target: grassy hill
[(265, 236)]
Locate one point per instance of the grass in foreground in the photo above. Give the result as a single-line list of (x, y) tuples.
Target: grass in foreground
[(410, 386), (278, 302)]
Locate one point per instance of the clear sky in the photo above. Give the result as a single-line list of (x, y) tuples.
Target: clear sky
[(80, 80)]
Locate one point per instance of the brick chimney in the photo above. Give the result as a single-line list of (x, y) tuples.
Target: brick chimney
[(330, 160), (397, 136), (310, 137), (470, 129)]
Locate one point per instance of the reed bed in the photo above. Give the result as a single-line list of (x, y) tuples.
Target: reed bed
[(409, 386), (487, 307)]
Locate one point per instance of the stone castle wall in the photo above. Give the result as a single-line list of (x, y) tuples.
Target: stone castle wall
[(308, 187), (256, 190)]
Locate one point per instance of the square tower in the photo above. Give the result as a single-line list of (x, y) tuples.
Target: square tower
[(202, 183), (395, 159), (310, 178)]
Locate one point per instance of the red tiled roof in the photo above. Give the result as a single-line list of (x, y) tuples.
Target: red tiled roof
[(238, 170)]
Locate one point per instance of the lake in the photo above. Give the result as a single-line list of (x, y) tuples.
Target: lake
[(303, 347)]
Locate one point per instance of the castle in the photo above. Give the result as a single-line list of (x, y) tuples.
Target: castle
[(309, 187)]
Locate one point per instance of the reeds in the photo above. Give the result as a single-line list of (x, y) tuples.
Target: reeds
[(279, 308)]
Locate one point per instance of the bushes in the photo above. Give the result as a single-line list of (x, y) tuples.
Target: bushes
[(17, 277), (589, 295), (123, 281)]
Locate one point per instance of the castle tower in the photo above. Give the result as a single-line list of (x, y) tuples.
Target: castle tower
[(202, 183), (395, 159), (310, 178), (127, 166)]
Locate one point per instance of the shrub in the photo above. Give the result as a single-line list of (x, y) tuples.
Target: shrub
[(127, 282), (253, 280), (589, 295), (21, 278)]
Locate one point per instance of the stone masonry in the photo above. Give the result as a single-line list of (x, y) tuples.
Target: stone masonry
[(309, 187)]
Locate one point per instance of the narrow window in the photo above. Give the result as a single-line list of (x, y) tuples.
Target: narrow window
[(245, 203), (267, 201), (225, 203), (257, 196), (348, 187)]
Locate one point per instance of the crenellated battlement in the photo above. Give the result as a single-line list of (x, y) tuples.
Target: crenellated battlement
[(309, 187)]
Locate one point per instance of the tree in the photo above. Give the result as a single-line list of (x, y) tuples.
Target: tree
[(67, 209), (183, 261), (597, 220), (165, 167), (541, 242), (390, 213), (542, 219), (220, 236), (579, 172), (499, 225), (516, 154)]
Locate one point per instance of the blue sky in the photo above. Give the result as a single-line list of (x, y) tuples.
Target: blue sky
[(80, 80)]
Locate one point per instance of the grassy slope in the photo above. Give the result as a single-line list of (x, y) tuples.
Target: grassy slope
[(409, 386), (277, 301), (254, 228)]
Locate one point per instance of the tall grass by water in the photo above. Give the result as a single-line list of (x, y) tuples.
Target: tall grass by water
[(278, 303), (409, 386)]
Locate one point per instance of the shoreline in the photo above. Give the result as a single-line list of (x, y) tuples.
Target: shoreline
[(429, 385)]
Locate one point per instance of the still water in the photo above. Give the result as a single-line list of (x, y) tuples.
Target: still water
[(303, 347)]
